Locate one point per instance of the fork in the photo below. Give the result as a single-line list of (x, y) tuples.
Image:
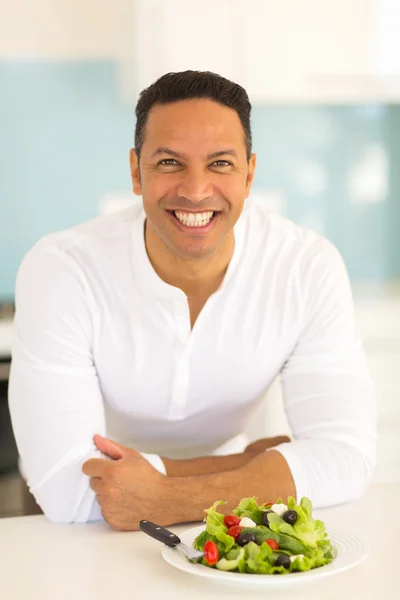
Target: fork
[(170, 539)]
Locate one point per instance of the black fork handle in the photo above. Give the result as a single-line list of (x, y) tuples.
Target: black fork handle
[(160, 533)]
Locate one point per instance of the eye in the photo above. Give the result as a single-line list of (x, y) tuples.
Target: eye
[(167, 162), (222, 163)]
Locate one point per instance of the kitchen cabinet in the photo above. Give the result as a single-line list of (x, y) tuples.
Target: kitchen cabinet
[(330, 51), (62, 30)]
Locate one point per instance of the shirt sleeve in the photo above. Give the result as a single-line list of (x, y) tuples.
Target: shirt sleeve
[(55, 398), (327, 389)]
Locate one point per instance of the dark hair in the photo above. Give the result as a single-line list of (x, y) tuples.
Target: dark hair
[(186, 85)]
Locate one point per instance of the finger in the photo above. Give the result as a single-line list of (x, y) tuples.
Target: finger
[(254, 446), (96, 467), (264, 444), (279, 439), (110, 448), (96, 484)]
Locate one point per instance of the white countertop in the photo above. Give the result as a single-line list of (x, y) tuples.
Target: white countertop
[(43, 561)]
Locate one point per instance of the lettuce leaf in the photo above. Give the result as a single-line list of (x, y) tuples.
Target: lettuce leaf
[(214, 519), (257, 558), (248, 507), (306, 529), (306, 505), (286, 542), (215, 531), (201, 539)]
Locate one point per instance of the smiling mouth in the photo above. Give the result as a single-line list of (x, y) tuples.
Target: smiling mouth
[(191, 219)]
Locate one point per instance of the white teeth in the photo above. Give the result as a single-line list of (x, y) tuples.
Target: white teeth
[(194, 219)]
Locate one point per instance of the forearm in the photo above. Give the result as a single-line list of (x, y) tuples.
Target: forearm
[(205, 465), (265, 476)]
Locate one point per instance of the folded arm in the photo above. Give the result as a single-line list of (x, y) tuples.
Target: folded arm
[(327, 390), (55, 398), (130, 489)]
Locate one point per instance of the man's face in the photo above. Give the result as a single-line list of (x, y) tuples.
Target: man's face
[(194, 175)]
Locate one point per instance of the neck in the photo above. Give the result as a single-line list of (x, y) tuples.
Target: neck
[(194, 276)]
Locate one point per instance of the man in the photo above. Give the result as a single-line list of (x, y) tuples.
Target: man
[(160, 327)]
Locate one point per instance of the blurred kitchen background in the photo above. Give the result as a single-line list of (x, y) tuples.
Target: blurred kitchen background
[(324, 80)]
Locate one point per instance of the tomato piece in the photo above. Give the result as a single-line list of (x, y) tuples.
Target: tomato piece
[(235, 531), (211, 552), (272, 544), (231, 520)]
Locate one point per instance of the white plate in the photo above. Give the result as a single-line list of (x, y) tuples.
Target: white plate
[(349, 551)]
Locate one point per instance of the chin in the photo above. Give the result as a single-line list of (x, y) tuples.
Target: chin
[(191, 253)]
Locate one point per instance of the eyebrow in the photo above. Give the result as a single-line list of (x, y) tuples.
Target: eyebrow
[(165, 150)]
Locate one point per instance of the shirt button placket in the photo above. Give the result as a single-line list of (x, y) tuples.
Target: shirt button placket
[(180, 382)]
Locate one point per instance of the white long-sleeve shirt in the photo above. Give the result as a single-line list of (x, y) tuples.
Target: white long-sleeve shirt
[(103, 345)]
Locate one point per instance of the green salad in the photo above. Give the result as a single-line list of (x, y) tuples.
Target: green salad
[(266, 539)]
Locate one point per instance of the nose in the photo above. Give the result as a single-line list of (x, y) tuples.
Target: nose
[(195, 185)]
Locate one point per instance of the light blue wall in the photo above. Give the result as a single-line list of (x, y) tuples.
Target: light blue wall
[(335, 141), (64, 140)]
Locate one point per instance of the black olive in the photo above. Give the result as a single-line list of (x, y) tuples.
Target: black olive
[(245, 538), (290, 516), (265, 520), (283, 561)]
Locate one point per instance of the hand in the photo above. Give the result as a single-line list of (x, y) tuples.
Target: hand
[(262, 445), (128, 488)]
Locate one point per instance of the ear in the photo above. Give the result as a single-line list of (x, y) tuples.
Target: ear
[(135, 172), (251, 173)]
